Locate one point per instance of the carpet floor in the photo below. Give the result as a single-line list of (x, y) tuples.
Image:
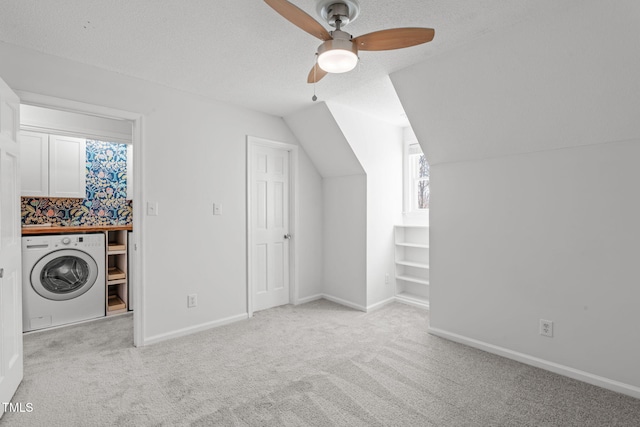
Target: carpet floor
[(318, 364)]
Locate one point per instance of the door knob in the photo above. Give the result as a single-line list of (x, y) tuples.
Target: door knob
[(287, 236)]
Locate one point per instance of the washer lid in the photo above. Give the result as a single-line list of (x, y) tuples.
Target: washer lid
[(64, 274)]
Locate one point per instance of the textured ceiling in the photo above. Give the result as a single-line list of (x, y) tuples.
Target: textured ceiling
[(243, 52)]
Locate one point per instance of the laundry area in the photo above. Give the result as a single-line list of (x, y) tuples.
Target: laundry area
[(76, 209)]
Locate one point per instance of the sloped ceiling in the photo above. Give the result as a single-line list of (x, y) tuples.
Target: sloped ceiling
[(511, 95), (244, 53), (323, 140)]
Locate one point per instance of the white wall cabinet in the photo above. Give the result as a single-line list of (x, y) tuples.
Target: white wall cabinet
[(412, 264), (67, 167), (34, 164), (52, 165)]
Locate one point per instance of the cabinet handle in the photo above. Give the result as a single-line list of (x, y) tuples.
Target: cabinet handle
[(1, 273)]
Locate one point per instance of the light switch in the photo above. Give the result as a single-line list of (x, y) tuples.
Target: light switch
[(152, 208), (217, 209)]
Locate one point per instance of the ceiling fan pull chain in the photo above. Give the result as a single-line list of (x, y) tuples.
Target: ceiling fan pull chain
[(314, 98)]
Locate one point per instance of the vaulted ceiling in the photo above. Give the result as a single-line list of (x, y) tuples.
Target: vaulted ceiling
[(243, 52)]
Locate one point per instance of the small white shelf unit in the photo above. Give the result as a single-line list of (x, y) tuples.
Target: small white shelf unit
[(116, 260), (412, 264)]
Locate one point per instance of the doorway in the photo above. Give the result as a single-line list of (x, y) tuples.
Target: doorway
[(271, 221), (133, 141)]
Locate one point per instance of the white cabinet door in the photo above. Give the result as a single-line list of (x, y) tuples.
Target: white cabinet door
[(34, 164), (67, 167)]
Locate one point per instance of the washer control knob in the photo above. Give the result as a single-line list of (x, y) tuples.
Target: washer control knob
[(66, 240)]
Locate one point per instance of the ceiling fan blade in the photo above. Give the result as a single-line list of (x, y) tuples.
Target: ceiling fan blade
[(396, 38), (300, 18), (316, 74)]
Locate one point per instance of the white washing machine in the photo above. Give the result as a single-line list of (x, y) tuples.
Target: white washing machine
[(63, 279)]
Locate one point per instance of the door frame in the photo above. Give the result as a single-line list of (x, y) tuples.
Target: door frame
[(137, 140), (253, 141)]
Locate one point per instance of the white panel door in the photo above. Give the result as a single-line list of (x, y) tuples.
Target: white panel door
[(34, 164), (10, 252), (67, 167), (270, 227)]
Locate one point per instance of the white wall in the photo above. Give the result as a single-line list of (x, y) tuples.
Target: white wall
[(366, 154), (378, 146), (552, 235), (534, 144), (345, 240), (310, 229), (194, 155), (344, 212)]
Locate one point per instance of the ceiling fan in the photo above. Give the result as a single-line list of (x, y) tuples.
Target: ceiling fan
[(339, 51)]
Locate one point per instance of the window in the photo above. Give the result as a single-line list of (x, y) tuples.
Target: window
[(416, 180)]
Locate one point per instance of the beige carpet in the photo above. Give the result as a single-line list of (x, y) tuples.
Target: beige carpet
[(318, 364)]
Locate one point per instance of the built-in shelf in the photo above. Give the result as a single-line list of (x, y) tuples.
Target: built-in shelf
[(412, 279), (412, 264), (115, 303), (114, 273), (117, 281), (412, 245), (116, 248)]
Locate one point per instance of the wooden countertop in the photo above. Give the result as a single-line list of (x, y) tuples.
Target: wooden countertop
[(73, 229)]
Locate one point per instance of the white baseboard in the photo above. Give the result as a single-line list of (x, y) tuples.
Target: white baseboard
[(344, 302), (193, 329), (308, 299), (415, 303), (380, 304), (567, 371)]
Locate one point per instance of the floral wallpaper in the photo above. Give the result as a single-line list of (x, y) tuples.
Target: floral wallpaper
[(105, 202)]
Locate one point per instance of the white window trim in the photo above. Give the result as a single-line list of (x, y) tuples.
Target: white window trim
[(408, 196)]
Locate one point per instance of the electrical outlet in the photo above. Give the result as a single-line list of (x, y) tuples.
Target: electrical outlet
[(192, 300), (546, 328)]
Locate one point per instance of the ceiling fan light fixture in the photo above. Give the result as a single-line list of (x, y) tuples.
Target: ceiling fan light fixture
[(337, 61), (339, 51), (338, 55)]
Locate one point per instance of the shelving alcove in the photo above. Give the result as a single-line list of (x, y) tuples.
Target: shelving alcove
[(116, 262), (412, 264)]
